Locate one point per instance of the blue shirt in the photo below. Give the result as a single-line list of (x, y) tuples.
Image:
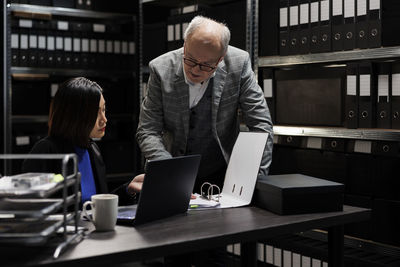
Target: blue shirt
[(88, 186)]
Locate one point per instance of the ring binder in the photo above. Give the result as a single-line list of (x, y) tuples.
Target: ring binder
[(210, 192)]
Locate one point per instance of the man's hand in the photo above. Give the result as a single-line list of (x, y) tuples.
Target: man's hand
[(135, 186)]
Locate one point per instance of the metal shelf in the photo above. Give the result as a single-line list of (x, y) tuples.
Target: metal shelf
[(18, 71), (331, 57), (66, 12), (337, 132), (30, 118), (180, 3)]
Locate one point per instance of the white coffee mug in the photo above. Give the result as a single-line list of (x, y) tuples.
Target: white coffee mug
[(104, 211)]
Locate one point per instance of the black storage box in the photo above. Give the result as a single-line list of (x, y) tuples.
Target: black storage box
[(296, 193)]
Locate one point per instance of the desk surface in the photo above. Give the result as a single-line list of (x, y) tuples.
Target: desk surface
[(195, 230)]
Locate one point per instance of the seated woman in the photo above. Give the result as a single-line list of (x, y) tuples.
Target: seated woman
[(77, 116)]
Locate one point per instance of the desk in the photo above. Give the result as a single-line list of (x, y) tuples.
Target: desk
[(193, 231)]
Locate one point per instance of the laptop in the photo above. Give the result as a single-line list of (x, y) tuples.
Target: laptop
[(166, 190)]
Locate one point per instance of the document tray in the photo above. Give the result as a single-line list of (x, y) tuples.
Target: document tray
[(28, 208), (26, 232)]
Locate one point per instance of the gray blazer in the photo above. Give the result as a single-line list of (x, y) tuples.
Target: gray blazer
[(164, 116)]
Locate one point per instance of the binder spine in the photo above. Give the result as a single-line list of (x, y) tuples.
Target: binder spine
[(283, 27), (351, 99), (383, 114), (304, 27), (362, 24), (337, 25), (395, 95), (293, 27), (314, 26), (367, 94), (349, 25), (374, 24), (325, 26)]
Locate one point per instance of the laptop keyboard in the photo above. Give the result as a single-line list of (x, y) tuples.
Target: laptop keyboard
[(127, 212)]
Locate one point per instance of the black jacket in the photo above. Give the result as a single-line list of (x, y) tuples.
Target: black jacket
[(51, 145)]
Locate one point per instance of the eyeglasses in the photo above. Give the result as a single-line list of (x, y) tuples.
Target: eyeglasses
[(192, 64)]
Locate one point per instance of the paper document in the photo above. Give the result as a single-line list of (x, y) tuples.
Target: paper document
[(241, 173)]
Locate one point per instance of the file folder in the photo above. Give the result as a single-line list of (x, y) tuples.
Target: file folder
[(325, 26), (98, 33), (351, 99), (269, 28), (383, 114), (283, 27), (50, 44), (314, 26), (304, 27), (33, 47), (41, 27), (349, 25), (385, 148), (23, 47), (395, 97), (337, 25), (68, 60), (362, 24), (293, 27), (14, 48), (77, 29), (374, 24), (268, 87), (367, 96), (390, 22)]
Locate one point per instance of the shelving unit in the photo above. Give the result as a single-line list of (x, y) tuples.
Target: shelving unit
[(368, 172), (341, 57), (331, 57), (338, 132), (118, 32)]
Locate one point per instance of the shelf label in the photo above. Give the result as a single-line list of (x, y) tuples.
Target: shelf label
[(365, 85), (62, 25), (109, 46), (314, 12), (124, 47), (93, 45), (352, 85), (102, 46), (383, 86), (304, 13), (99, 27), (396, 84), (117, 47), (337, 7), (77, 45), (22, 140), (267, 85), (25, 23), (67, 44)]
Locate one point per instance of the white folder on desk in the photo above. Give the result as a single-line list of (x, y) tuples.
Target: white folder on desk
[(241, 174)]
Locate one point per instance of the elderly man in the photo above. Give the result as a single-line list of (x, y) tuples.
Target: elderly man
[(191, 107), (192, 102)]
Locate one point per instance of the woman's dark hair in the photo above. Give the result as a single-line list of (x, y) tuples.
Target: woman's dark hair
[(74, 110)]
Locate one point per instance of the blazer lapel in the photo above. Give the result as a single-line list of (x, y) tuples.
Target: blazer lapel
[(218, 86), (182, 94)]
